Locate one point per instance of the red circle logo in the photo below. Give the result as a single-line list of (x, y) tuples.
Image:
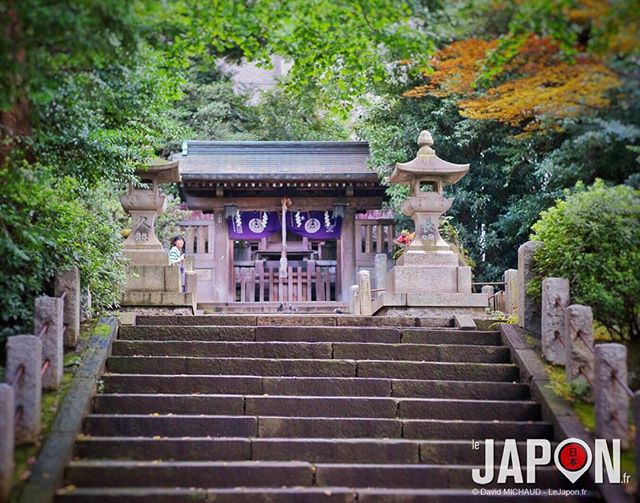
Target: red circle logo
[(573, 457)]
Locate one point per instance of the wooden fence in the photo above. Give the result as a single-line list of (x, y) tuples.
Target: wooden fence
[(260, 282)]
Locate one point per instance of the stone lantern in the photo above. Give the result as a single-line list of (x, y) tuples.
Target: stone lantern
[(429, 279), (427, 175), (144, 205)]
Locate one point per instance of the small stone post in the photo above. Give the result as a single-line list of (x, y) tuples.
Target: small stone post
[(7, 440), (354, 299), (511, 291), (501, 302), (611, 400), (49, 313), (579, 343), (636, 420), (364, 286), (380, 270), (69, 281), (191, 282), (528, 311), (487, 291), (26, 350), (555, 299)]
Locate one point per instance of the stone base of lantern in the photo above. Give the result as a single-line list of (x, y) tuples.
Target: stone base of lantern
[(146, 256), (431, 305), (156, 286), (158, 299), (429, 284), (428, 272)]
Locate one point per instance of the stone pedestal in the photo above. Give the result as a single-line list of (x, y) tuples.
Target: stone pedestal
[(428, 279)]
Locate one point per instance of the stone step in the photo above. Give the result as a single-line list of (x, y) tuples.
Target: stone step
[(97, 473), (314, 367), (73, 494), (315, 450), (336, 350), (316, 386), (294, 320), (308, 334), (150, 425), (374, 407)]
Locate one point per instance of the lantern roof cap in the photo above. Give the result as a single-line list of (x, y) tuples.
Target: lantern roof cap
[(159, 169), (427, 166)]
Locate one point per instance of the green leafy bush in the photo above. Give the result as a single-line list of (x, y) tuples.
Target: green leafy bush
[(48, 223), (593, 238)]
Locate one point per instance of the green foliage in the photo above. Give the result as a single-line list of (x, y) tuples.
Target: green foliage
[(213, 110), (46, 224), (339, 49), (593, 239), (168, 224)]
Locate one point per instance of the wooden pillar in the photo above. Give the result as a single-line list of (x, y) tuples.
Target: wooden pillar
[(223, 284), (346, 270)]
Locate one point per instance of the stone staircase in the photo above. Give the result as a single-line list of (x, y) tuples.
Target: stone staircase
[(305, 408)]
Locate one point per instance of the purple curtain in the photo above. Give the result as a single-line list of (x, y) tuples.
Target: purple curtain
[(314, 224), (249, 225)]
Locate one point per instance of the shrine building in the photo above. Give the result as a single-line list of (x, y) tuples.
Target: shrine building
[(281, 222)]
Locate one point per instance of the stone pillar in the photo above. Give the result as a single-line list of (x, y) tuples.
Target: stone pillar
[(380, 270), (579, 343), (223, 281), (354, 300), (611, 399), (191, 282), (26, 350), (85, 305), (347, 254), (487, 291), (69, 281), (364, 285), (555, 299), (7, 441), (501, 302), (172, 278), (49, 312), (528, 311), (636, 421), (511, 291)]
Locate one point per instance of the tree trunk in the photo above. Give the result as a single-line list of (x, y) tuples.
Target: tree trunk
[(16, 121)]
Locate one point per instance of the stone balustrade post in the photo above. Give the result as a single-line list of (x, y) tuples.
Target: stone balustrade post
[(501, 301), (511, 291), (7, 439), (380, 271), (48, 321), (24, 357), (610, 397), (487, 291), (579, 343), (636, 421), (364, 285), (354, 299), (69, 281), (555, 299), (191, 282), (528, 310)]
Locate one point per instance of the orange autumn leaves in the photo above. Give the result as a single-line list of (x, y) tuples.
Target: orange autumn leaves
[(535, 85)]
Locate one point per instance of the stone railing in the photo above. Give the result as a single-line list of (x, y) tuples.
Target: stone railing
[(34, 362), (566, 336)]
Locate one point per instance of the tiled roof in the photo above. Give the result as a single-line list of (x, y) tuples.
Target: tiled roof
[(275, 160)]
